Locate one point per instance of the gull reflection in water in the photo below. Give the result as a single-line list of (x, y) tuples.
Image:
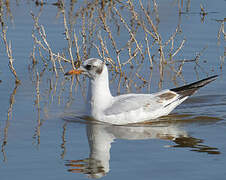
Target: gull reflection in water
[(101, 136)]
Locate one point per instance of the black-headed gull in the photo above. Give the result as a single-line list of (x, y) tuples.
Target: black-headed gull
[(129, 108)]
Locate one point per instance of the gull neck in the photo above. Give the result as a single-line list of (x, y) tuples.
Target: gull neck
[(99, 94)]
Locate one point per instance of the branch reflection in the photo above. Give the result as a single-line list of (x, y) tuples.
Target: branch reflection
[(101, 136), (7, 124)]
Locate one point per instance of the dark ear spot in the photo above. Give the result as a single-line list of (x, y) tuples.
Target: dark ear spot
[(100, 69), (88, 67)]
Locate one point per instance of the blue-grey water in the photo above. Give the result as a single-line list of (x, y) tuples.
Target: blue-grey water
[(41, 136)]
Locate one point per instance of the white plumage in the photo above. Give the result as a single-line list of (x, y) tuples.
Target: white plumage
[(129, 108)]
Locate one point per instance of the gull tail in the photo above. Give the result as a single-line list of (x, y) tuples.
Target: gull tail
[(190, 89)]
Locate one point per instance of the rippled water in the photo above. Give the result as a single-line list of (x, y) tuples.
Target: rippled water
[(50, 140)]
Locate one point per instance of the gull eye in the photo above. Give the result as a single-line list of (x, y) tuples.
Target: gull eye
[(88, 66)]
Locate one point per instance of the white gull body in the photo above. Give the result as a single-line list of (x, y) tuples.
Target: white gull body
[(129, 108)]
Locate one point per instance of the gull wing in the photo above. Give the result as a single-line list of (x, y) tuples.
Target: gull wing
[(156, 101), (147, 102)]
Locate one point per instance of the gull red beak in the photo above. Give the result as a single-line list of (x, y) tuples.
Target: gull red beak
[(72, 72)]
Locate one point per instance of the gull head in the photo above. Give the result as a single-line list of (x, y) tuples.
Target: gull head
[(92, 68)]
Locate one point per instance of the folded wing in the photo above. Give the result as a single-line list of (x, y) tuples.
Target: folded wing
[(147, 102)]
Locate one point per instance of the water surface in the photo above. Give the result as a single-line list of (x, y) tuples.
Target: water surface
[(41, 135)]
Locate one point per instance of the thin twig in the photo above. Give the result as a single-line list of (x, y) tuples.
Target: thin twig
[(68, 38), (9, 54)]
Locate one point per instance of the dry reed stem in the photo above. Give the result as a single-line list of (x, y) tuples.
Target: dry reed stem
[(87, 15), (177, 73), (98, 50), (59, 62), (130, 32), (68, 38), (148, 32), (84, 37), (77, 47), (102, 17), (148, 50), (104, 50), (157, 38), (132, 56), (107, 29), (156, 11), (95, 14), (119, 83), (157, 35), (32, 56), (8, 10), (173, 36), (46, 47), (9, 54), (154, 28), (141, 78), (43, 35), (179, 48), (42, 57)]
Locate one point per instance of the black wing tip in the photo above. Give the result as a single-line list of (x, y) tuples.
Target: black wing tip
[(212, 78), (190, 89), (207, 80)]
